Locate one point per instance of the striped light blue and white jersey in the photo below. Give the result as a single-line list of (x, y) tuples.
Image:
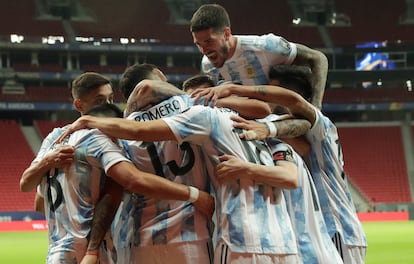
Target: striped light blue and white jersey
[(48, 142), (314, 243), (145, 221), (251, 217), (252, 59), (71, 193), (327, 169)]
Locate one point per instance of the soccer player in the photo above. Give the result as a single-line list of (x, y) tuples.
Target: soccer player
[(252, 220), (88, 90), (324, 157), (247, 59), (72, 192), (197, 81), (162, 231), (315, 245), (152, 232)]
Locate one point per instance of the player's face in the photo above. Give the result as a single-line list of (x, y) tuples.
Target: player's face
[(101, 95), (213, 45)]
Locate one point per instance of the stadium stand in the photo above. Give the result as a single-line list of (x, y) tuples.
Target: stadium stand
[(15, 157), (44, 127), (374, 160), (39, 94), (371, 24), (278, 20), (372, 153), (370, 95), (19, 17)]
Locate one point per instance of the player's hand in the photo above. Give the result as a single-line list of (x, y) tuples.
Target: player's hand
[(230, 168), (80, 123), (205, 204), (61, 157), (253, 130), (89, 259), (204, 96), (210, 95)]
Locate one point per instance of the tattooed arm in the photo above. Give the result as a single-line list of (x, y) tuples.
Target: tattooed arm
[(296, 104), (318, 64), (148, 93), (286, 128), (104, 213)]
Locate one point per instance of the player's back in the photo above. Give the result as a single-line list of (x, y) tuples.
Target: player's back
[(315, 244), (326, 166), (146, 221), (72, 193), (252, 217)]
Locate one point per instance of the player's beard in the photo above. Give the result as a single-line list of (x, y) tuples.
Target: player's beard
[(222, 56)]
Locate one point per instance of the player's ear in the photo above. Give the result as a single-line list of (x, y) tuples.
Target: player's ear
[(77, 104), (227, 33)]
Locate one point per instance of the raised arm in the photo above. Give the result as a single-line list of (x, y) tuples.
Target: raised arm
[(318, 63), (154, 130), (148, 93), (246, 107), (269, 93)]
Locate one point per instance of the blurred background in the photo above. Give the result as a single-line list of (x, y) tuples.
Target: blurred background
[(45, 44)]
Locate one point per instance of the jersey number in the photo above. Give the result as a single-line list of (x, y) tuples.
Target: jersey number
[(54, 184), (172, 165)]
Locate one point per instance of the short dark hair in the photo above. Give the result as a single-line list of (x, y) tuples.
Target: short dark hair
[(196, 81), (293, 77), (208, 16), (133, 75), (106, 110), (86, 82)]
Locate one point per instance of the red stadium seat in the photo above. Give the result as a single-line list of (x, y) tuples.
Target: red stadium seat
[(375, 162), (16, 155)]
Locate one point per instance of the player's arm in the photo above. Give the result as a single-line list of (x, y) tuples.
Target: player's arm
[(127, 176), (286, 128), (154, 130), (283, 174), (149, 92), (318, 63), (297, 105), (246, 107), (58, 158), (39, 204), (104, 214), (136, 181)]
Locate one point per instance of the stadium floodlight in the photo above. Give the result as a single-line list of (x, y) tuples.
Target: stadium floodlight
[(409, 85), (296, 21), (106, 40), (14, 38), (53, 40)]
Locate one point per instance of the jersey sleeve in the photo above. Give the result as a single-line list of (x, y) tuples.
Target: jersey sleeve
[(320, 128), (193, 125), (278, 45), (47, 143), (104, 149)]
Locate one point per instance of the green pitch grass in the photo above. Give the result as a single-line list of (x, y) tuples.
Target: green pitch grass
[(388, 242), (23, 247)]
